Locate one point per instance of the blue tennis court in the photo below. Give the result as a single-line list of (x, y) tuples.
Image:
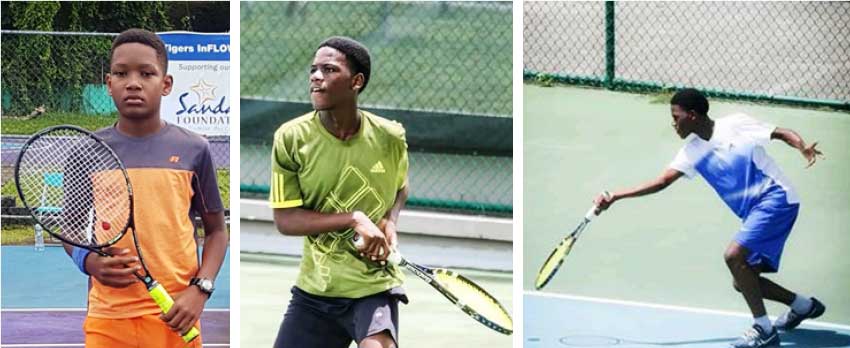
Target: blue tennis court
[(556, 320), (664, 252)]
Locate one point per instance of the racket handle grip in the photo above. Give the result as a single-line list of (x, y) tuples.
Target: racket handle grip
[(592, 212), (394, 258), (164, 301)]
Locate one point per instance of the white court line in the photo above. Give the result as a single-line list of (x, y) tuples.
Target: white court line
[(671, 307), (34, 345), (84, 309)]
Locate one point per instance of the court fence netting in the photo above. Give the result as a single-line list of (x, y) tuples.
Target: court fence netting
[(442, 69), (51, 75), (780, 52)]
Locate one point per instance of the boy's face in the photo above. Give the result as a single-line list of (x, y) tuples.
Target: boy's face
[(331, 80), (683, 121), (137, 81)]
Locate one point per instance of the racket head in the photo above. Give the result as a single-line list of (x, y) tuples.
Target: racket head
[(74, 186), (473, 300), (554, 261)]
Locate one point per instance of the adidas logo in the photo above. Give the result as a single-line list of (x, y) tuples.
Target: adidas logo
[(378, 168)]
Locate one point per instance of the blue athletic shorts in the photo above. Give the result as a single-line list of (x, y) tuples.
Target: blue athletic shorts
[(765, 230), (331, 322)]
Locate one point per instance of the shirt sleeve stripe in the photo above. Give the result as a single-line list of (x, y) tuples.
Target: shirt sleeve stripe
[(278, 193), (279, 187), (274, 197)]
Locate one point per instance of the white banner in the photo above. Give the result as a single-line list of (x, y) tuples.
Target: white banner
[(200, 65)]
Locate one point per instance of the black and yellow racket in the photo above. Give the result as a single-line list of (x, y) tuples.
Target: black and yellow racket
[(556, 258), (464, 293), (78, 190)]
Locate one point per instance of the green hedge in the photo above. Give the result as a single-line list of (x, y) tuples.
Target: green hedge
[(54, 70), (22, 126)]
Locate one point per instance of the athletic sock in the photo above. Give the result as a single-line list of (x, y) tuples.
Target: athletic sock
[(802, 304), (765, 324)]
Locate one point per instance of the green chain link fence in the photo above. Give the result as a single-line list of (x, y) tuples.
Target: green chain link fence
[(783, 52), (55, 72), (442, 69), (59, 77)]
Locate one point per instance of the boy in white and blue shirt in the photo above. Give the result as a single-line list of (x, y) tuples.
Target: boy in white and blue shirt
[(729, 154)]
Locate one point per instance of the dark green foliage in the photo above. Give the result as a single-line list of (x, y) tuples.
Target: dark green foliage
[(53, 70)]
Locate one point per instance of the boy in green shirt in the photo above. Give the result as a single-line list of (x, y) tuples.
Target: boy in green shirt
[(336, 172)]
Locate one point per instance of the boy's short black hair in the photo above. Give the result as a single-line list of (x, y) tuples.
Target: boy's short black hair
[(143, 37), (691, 99), (356, 54)]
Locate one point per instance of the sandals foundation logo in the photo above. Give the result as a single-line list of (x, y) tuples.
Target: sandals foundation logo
[(202, 106), (200, 98)]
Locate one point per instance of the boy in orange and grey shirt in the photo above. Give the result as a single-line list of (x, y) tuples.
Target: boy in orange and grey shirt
[(172, 174)]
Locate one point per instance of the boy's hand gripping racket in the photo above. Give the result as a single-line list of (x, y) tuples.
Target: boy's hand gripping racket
[(556, 258), (78, 190), (468, 296)]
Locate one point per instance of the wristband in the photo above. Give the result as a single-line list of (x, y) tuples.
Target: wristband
[(79, 256)]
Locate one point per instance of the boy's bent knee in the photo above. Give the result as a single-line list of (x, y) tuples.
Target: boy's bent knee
[(735, 254), (379, 340)]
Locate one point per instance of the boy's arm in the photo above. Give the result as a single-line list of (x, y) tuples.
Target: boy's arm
[(115, 271), (304, 222), (299, 221), (390, 220), (215, 244), (790, 137), (189, 304), (667, 177)]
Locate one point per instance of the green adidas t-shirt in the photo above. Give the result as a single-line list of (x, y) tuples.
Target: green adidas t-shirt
[(314, 170)]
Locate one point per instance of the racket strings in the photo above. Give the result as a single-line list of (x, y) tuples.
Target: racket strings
[(554, 261), (75, 187), (473, 296)]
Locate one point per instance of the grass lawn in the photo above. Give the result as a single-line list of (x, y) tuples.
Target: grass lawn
[(17, 235), (15, 125)]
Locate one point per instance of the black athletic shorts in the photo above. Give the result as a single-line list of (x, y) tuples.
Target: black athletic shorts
[(332, 322)]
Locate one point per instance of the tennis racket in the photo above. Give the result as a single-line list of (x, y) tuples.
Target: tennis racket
[(78, 190), (556, 258), (468, 296)]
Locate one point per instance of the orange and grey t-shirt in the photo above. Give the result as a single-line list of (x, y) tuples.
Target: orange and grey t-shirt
[(173, 177)]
